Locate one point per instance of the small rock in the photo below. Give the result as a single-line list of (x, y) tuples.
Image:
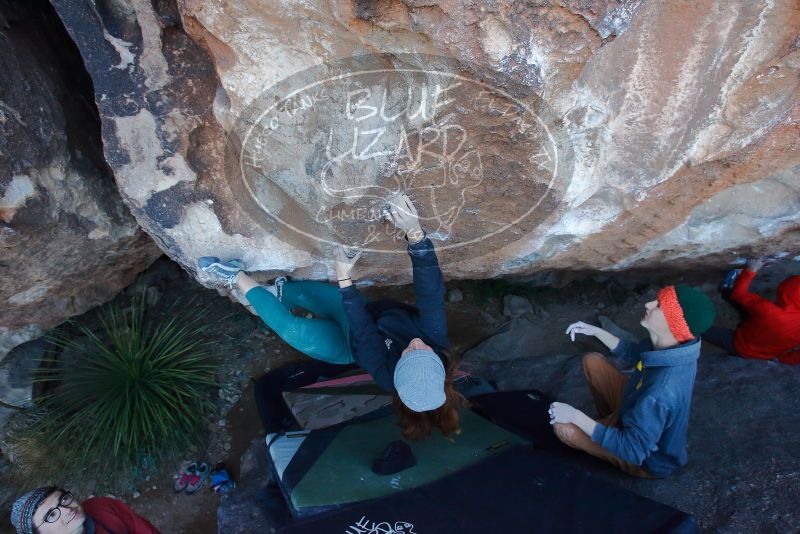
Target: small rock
[(515, 306), (455, 295), (221, 422), (136, 494), (227, 447)]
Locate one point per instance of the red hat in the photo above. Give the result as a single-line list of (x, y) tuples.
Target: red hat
[(689, 312)]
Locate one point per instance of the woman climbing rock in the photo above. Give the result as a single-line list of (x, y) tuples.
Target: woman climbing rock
[(404, 348)]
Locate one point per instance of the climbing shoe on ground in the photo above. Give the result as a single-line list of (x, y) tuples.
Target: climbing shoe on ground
[(226, 271), (185, 475), (221, 481), (197, 481), (396, 457)]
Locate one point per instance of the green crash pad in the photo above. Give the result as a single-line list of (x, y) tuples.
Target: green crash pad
[(343, 472)]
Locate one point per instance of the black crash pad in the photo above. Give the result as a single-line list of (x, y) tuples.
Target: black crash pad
[(520, 490)]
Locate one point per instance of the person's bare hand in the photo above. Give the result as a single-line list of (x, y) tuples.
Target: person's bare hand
[(561, 413), (754, 264), (581, 328), (344, 262)]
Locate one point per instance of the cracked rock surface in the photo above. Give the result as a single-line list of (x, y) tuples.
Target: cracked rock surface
[(664, 120), (67, 241)]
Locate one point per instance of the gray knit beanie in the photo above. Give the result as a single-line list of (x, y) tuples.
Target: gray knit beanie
[(25, 506), (419, 380)]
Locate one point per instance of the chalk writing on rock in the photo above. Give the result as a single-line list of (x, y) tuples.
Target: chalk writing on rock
[(319, 154)]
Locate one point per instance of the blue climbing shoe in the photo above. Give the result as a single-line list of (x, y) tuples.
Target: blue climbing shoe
[(227, 271), (730, 279)]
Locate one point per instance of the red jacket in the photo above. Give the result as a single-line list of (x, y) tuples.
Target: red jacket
[(115, 517), (770, 329)]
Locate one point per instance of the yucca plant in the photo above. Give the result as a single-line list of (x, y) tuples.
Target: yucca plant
[(135, 394)]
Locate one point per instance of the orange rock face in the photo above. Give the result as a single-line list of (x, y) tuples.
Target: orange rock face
[(564, 135)]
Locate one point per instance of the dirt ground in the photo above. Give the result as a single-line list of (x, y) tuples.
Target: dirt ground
[(246, 349)]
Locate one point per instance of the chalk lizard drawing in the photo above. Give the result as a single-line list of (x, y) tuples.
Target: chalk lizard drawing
[(441, 166)]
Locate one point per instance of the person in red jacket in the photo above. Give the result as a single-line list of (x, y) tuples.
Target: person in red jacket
[(50, 510), (768, 330)]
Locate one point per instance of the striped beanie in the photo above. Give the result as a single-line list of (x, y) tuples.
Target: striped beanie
[(689, 312), (24, 508)]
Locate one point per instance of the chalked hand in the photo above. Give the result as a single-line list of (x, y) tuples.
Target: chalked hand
[(581, 328), (344, 261), (562, 413), (403, 215)]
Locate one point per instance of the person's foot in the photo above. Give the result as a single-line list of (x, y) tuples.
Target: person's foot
[(226, 271), (278, 285)]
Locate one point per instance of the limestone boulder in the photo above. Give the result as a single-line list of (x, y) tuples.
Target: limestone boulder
[(565, 135), (67, 242)]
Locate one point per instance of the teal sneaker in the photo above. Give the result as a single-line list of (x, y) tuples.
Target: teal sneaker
[(227, 271)]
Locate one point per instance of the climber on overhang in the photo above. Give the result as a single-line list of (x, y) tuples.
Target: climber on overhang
[(404, 348), (644, 416), (767, 330)]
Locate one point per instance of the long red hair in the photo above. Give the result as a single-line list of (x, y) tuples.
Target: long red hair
[(418, 425)]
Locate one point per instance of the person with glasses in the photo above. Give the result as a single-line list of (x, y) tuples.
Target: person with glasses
[(50, 510)]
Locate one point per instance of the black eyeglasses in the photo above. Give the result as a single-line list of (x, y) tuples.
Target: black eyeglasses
[(54, 514)]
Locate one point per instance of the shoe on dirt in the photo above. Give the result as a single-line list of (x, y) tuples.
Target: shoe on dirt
[(197, 481), (185, 475), (221, 481)]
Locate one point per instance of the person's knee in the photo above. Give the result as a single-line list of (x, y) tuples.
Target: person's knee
[(568, 433), (591, 361)]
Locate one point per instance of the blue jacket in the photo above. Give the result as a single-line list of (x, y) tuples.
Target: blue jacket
[(379, 331), (654, 416)]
